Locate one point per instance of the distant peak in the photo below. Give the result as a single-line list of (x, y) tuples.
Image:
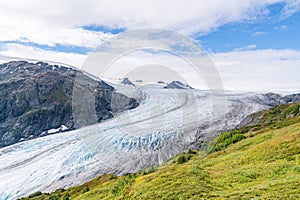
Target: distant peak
[(126, 81), (177, 85)]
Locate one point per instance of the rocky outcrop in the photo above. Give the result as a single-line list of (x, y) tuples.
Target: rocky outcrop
[(177, 85), (126, 81), (270, 99), (37, 97)]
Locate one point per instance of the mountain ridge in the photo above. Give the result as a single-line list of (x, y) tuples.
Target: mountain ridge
[(37, 97)]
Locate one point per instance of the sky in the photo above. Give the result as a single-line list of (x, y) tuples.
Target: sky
[(254, 44)]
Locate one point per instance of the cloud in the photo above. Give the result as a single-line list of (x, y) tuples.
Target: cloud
[(63, 22), (28, 52), (282, 28), (248, 70), (259, 33), (260, 70), (247, 47), (290, 8), (60, 21)]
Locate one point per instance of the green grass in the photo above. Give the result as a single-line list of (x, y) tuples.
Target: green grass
[(264, 164)]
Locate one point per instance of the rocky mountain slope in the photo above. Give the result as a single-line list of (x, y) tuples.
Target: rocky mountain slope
[(36, 99)]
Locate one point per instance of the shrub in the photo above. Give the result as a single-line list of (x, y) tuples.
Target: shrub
[(181, 159), (66, 196), (35, 194), (86, 189), (113, 177), (228, 138), (238, 137), (54, 197)]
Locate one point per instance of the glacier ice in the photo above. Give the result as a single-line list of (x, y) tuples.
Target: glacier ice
[(166, 123)]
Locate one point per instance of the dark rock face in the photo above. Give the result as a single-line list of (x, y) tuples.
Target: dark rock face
[(292, 98), (177, 85), (126, 81), (37, 97), (273, 99)]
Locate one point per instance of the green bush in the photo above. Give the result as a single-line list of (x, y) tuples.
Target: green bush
[(181, 159), (35, 194), (238, 137), (54, 197), (228, 138), (86, 189), (113, 177), (66, 196)]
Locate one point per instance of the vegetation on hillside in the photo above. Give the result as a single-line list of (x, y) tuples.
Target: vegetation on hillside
[(261, 161)]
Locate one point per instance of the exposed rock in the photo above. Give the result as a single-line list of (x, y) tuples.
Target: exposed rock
[(177, 85), (37, 97), (270, 99), (292, 98), (126, 81), (161, 82)]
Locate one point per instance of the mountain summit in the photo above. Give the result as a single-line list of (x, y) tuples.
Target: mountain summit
[(177, 85), (126, 81)]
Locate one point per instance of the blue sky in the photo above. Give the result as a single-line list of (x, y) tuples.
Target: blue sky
[(265, 34), (233, 32)]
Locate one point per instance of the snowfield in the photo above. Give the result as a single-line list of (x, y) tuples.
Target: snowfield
[(166, 122)]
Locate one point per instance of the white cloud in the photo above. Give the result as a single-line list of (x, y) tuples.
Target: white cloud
[(255, 70), (282, 28), (27, 52), (59, 21), (292, 7), (259, 33), (260, 70), (247, 47), (248, 69)]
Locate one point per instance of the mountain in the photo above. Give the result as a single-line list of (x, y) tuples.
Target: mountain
[(265, 164), (126, 81), (36, 99), (177, 85)]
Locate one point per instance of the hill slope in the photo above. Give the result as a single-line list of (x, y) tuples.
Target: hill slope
[(36, 99), (265, 164)]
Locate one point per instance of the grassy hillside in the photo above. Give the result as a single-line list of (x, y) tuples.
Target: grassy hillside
[(261, 161)]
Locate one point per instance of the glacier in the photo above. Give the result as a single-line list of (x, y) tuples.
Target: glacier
[(167, 122)]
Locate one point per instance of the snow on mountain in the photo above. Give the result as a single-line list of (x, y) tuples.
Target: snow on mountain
[(177, 85), (165, 123)]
